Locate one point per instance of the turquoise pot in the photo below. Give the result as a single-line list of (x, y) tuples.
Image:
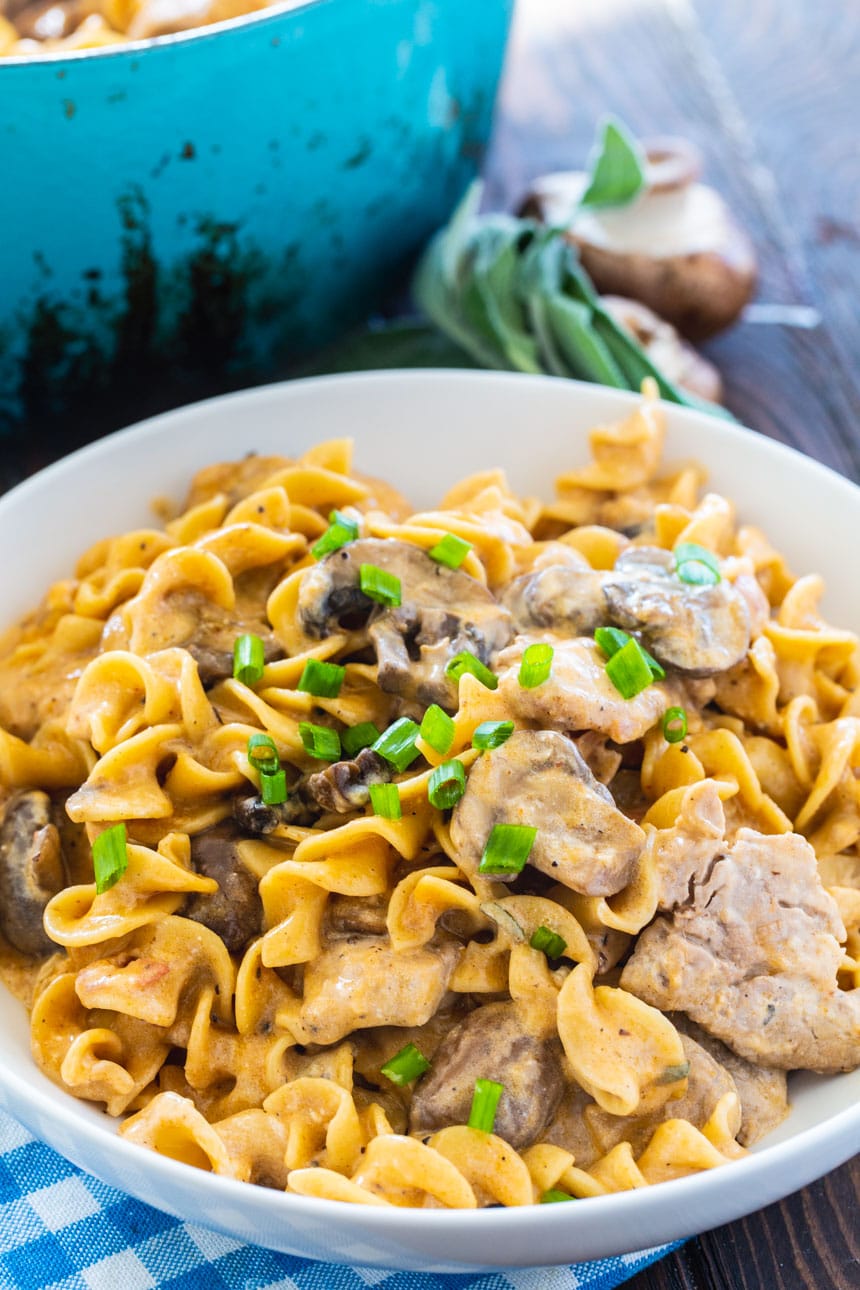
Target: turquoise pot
[(192, 214)]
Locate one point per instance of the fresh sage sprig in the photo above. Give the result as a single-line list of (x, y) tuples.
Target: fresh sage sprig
[(616, 168), (513, 294)]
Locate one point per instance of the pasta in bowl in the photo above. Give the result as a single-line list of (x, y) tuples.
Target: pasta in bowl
[(487, 853)]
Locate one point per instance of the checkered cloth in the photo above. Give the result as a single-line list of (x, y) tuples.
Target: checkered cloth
[(61, 1229)]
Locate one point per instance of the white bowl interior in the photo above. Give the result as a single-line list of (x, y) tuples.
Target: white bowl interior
[(423, 431)]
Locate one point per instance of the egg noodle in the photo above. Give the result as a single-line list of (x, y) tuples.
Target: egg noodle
[(633, 920)]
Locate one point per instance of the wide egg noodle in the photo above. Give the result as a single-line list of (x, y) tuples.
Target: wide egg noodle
[(262, 1061)]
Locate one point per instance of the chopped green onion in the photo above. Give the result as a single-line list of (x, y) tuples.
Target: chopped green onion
[(321, 679), (507, 849), (320, 741), (263, 754), (548, 942), (358, 737), (451, 550), (611, 639), (465, 661), (672, 1074), (447, 785), (674, 725), (273, 787), (405, 1066), (385, 800), (553, 1195), (248, 659), (628, 670), (484, 1102), (110, 857), (492, 734), (397, 744), (437, 729), (697, 565), (380, 585), (341, 530), (536, 665)]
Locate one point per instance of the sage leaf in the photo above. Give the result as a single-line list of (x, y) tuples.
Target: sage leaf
[(616, 169)]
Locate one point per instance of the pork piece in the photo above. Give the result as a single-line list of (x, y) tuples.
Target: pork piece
[(579, 695), (539, 777), (707, 1082), (442, 612), (750, 953), (763, 1091), (32, 870), (345, 785), (562, 597), (234, 911), (699, 630), (691, 846), (362, 915), (361, 981), (492, 1043)]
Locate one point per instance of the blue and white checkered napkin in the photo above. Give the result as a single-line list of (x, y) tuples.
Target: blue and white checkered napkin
[(61, 1229)]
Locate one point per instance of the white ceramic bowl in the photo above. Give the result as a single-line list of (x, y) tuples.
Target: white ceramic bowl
[(423, 430)]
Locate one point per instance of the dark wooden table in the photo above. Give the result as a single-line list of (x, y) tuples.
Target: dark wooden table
[(770, 90)]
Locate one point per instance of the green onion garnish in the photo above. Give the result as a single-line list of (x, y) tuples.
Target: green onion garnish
[(110, 857), (340, 531), (385, 800), (380, 585), (358, 737), (405, 1066), (321, 679), (397, 744), (465, 661), (484, 1102), (248, 659), (263, 754), (611, 639), (548, 942), (437, 729), (674, 725), (451, 550), (553, 1195), (697, 565), (629, 670), (508, 848), (447, 785), (320, 741), (492, 734), (273, 787), (536, 665)]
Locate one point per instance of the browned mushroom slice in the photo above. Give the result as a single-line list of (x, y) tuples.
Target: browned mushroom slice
[(356, 915), (442, 612), (32, 870), (560, 596), (492, 1043), (252, 815), (676, 248), (234, 911), (361, 981), (762, 1090), (212, 647), (699, 630), (538, 777), (345, 785)]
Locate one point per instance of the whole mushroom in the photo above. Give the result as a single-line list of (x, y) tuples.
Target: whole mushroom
[(676, 248)]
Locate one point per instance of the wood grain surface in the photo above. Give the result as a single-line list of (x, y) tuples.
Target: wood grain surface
[(770, 91)]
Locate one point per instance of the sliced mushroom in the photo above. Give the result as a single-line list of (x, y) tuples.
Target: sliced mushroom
[(492, 1043), (560, 596), (699, 630), (252, 815), (212, 648), (675, 358), (32, 870), (538, 777), (356, 915), (677, 247), (234, 911), (443, 611), (345, 785)]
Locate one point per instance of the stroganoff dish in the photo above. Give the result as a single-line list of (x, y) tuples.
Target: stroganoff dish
[(502, 853)]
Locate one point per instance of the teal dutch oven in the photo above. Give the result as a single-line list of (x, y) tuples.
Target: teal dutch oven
[(192, 213)]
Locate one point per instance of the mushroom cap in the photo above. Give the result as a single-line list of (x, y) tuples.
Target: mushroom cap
[(675, 358)]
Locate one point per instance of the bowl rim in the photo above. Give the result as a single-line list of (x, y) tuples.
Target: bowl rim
[(765, 1164), (54, 59)]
